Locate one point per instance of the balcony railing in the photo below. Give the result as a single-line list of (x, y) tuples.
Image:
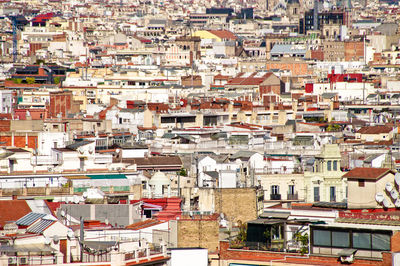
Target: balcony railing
[(275, 196), (294, 196)]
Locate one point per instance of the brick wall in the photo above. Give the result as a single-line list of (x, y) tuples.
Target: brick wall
[(395, 243), (19, 140), (198, 232), (236, 203), (353, 51), (5, 125), (60, 103)]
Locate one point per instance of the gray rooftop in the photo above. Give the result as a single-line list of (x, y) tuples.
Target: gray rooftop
[(30, 218)]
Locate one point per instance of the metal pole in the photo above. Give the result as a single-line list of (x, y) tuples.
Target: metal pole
[(81, 237)]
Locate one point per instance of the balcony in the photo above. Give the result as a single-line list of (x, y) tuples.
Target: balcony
[(103, 158), (294, 196), (275, 196), (45, 160)]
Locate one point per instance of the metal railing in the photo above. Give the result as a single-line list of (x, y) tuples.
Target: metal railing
[(294, 196), (275, 196)]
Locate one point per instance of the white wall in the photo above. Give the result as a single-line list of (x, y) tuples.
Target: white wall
[(196, 257)]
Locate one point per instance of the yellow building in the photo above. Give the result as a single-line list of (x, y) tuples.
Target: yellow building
[(325, 182), (216, 35)]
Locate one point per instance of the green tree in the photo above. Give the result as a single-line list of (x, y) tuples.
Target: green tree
[(303, 240), (333, 128), (17, 81), (182, 172), (57, 80), (30, 80)]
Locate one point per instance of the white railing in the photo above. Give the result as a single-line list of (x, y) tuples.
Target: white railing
[(44, 160), (103, 158)]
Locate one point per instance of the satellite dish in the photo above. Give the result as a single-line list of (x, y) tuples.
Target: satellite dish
[(397, 203), (379, 197), (394, 194), (222, 215), (397, 178), (47, 241), (62, 213), (385, 203), (76, 199), (389, 187), (56, 239), (70, 234), (85, 195)]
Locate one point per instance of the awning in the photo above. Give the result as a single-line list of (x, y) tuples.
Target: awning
[(267, 221), (279, 215), (347, 252), (100, 245), (27, 248), (109, 176)]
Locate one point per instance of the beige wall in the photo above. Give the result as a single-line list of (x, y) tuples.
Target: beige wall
[(196, 232), (283, 181), (237, 204), (375, 137), (364, 197), (26, 125)]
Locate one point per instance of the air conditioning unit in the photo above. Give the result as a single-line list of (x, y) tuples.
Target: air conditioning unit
[(12, 260), (23, 260), (347, 259)]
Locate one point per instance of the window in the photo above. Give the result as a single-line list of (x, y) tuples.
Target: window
[(316, 194), (333, 237), (340, 239), (361, 182), (380, 242), (291, 190), (275, 190), (329, 165), (335, 168), (321, 238), (362, 240), (332, 194)]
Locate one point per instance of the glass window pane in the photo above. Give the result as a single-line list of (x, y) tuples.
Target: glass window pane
[(341, 239), (321, 238), (362, 240), (334, 165), (380, 242)]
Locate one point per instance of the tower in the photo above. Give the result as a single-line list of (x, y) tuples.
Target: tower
[(315, 15)]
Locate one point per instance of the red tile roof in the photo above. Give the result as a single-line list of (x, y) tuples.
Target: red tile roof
[(224, 34), (143, 224), (251, 79), (367, 173), (375, 129), (12, 210)]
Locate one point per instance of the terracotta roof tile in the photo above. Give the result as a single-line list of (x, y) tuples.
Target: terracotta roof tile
[(367, 173), (224, 34), (375, 129), (143, 224), (12, 210)]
